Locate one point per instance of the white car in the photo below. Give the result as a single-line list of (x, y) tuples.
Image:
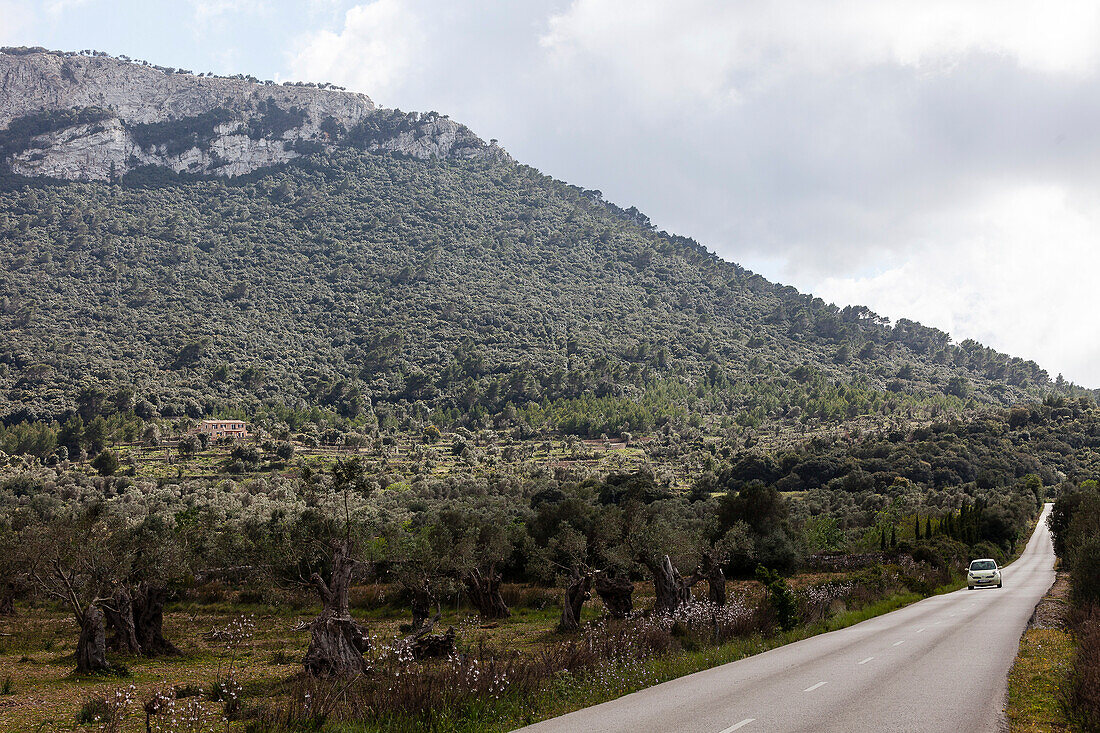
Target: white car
[(983, 573)]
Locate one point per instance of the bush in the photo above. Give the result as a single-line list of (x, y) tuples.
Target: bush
[(94, 710), (988, 549), (246, 453), (781, 598), (106, 463), (1086, 671), (1085, 577)]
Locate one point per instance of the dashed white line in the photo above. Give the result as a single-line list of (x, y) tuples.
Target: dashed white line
[(737, 726), (899, 643), (811, 688), (922, 628), (864, 661)]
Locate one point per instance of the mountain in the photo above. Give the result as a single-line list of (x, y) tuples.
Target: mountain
[(186, 245), (94, 117)]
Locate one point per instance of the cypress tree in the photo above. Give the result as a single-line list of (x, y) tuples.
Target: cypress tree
[(893, 536), (928, 528), (882, 540), (916, 528)]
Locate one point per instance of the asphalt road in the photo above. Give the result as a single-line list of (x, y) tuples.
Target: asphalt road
[(937, 665)]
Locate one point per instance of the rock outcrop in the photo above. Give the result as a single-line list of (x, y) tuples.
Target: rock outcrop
[(94, 117)]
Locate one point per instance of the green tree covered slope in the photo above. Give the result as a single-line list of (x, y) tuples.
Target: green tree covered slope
[(374, 284)]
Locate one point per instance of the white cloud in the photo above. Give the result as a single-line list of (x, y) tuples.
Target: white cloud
[(720, 49), (373, 53), (1015, 272), (934, 160)]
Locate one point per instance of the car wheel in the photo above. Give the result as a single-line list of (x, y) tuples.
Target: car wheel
[(999, 585), (970, 587)]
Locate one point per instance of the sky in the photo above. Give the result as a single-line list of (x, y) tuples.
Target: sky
[(938, 161)]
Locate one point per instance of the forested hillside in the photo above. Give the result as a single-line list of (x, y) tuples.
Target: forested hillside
[(374, 285), (418, 332)]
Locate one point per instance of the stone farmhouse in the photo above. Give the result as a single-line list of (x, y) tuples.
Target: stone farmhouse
[(223, 429)]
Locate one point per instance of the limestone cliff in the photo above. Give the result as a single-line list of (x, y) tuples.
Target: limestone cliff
[(95, 117)]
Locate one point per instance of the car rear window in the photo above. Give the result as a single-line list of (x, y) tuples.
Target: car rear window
[(983, 565)]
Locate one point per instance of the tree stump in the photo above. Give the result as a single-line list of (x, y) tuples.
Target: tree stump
[(91, 647), (617, 593), (576, 593), (337, 642), (433, 646), (484, 593), (426, 645)]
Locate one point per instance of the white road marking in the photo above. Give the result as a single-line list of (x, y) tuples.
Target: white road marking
[(737, 726), (921, 629), (899, 643), (864, 661), (811, 688)]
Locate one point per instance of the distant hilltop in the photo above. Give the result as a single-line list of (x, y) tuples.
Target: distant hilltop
[(90, 116)]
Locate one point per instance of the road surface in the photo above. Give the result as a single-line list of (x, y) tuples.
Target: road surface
[(937, 665)]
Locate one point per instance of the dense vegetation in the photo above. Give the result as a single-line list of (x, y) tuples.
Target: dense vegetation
[(1075, 526), (459, 519), (462, 292)]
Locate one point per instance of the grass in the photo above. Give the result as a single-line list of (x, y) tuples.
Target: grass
[(41, 693), (1039, 680), (38, 691)]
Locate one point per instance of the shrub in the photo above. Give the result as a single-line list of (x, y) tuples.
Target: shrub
[(1085, 578), (247, 453), (94, 710), (780, 597), (1086, 671), (106, 463), (988, 549)]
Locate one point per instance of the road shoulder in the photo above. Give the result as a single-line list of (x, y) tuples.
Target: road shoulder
[(1039, 678)]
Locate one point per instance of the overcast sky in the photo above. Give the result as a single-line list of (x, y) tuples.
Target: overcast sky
[(937, 160)]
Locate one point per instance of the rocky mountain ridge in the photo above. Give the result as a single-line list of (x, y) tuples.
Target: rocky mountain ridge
[(75, 116)]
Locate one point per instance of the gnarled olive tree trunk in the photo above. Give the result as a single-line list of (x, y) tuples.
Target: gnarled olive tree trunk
[(672, 589), (136, 616), (119, 613), (91, 647), (149, 602), (576, 593), (711, 571), (337, 642), (484, 593), (8, 592), (421, 606), (617, 593)]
